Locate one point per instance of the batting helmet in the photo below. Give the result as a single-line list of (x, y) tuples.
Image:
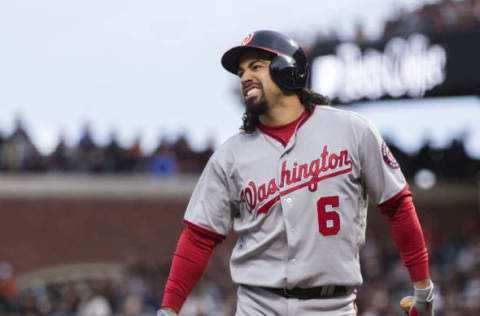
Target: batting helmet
[(289, 66)]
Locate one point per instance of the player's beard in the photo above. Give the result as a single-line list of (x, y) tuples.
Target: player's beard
[(258, 104), (254, 107)]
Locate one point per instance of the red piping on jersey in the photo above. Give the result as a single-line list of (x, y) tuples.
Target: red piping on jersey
[(270, 131), (307, 117), (204, 231), (269, 204), (401, 192)]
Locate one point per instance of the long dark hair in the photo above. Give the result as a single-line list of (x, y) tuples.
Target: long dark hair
[(307, 97)]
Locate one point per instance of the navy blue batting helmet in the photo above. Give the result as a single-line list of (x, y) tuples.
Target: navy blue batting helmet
[(289, 66)]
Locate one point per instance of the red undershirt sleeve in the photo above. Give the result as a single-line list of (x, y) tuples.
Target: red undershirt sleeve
[(407, 233), (191, 258)]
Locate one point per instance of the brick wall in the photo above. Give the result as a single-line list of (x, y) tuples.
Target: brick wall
[(37, 233)]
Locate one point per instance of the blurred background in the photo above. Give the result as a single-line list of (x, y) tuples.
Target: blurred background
[(110, 110)]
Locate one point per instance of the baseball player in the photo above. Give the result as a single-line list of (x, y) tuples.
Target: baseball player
[(293, 187)]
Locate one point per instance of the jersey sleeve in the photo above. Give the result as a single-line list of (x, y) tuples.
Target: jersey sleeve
[(210, 207), (380, 173)]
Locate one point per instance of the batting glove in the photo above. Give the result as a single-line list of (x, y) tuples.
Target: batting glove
[(421, 304), (164, 312)]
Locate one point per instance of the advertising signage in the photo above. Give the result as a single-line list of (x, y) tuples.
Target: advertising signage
[(413, 66)]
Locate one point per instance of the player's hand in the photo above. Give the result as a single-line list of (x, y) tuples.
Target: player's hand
[(421, 304), (166, 312)]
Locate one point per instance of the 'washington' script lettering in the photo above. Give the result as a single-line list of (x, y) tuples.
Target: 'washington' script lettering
[(316, 171)]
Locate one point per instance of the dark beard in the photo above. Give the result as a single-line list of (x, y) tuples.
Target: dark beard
[(253, 110), (254, 107)]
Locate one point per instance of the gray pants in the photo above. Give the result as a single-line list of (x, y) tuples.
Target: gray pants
[(254, 301)]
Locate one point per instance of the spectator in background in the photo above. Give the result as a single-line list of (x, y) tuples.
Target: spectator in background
[(163, 161), (204, 155), (133, 157), (88, 156), (453, 155), (448, 16), (19, 153), (476, 10), (435, 158), (84, 150), (86, 143), (60, 158), (466, 18), (8, 289), (414, 22), (360, 37), (423, 158), (133, 306), (114, 155), (92, 301), (185, 156)]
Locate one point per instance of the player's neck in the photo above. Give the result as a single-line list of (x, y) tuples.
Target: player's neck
[(287, 110)]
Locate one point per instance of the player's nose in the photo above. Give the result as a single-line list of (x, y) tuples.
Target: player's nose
[(246, 77)]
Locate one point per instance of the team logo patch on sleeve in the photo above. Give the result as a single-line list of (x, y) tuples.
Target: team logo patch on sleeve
[(388, 157)]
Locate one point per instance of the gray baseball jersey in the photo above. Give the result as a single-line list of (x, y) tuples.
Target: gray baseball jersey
[(299, 211)]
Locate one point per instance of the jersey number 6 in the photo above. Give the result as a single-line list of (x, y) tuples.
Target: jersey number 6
[(328, 222)]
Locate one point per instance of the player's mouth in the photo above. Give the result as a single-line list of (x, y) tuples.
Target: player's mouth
[(251, 90)]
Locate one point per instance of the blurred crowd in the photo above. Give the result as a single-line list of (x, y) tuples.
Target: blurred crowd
[(138, 293), (450, 162), (454, 260), (436, 18), (440, 18), (18, 154), (454, 266)]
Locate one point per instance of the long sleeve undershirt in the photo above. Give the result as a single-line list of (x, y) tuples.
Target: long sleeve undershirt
[(407, 233), (191, 258)]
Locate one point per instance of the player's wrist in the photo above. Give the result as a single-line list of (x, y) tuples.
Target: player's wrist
[(424, 293), (166, 311), (422, 284)]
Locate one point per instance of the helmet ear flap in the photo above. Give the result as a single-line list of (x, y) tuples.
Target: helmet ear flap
[(285, 73)]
